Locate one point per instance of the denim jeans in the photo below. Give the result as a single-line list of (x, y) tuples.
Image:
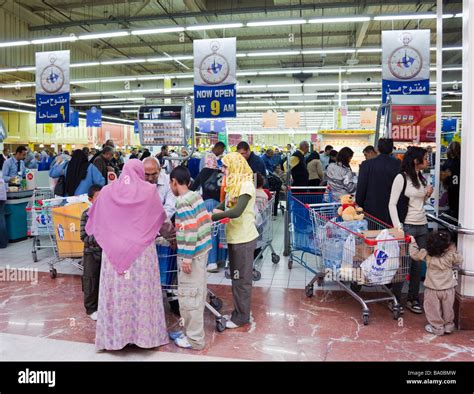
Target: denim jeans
[(420, 233), (216, 254)]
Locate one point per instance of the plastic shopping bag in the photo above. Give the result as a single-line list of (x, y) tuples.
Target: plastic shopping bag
[(349, 251), (382, 265)]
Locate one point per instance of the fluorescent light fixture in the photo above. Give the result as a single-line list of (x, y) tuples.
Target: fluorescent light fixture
[(17, 103), (280, 72), (323, 51), (369, 50), (53, 40), (241, 54), (169, 58), (343, 19), (122, 61), (247, 73), (181, 76), (147, 91), (128, 111), (21, 85), (26, 68), (363, 70), (404, 17), (85, 81), (447, 16), (120, 106), (150, 77), (86, 64), (15, 110), (458, 15), (8, 70), (158, 30), (214, 26), (118, 79), (14, 43), (109, 34), (274, 53), (277, 23)]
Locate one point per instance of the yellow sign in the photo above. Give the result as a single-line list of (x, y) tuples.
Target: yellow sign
[(48, 128)]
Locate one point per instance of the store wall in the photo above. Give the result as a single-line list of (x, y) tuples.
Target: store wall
[(22, 129)]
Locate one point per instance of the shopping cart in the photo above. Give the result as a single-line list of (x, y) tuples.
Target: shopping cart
[(359, 254), (39, 221), (264, 241), (63, 227), (167, 260), (301, 239)]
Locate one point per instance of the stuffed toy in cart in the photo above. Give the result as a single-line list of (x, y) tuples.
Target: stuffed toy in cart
[(348, 210)]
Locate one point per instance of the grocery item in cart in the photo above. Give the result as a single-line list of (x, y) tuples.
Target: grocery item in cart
[(342, 230), (382, 265)]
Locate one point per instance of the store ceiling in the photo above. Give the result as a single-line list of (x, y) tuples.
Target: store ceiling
[(37, 19)]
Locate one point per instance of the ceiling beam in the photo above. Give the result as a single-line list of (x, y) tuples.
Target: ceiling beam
[(225, 11)]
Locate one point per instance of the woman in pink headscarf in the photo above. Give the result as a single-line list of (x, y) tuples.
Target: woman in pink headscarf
[(125, 221)]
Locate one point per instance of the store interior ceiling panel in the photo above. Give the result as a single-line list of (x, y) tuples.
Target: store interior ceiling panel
[(297, 42)]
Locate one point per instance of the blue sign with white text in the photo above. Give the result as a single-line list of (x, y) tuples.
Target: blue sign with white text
[(404, 88), (94, 117), (136, 127), (215, 101), (73, 119), (52, 108)]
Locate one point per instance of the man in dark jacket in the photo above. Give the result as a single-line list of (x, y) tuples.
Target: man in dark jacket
[(375, 181), (299, 170), (92, 261), (255, 162), (102, 162)]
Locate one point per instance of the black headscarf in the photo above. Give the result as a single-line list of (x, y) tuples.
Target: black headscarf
[(314, 155), (145, 155), (76, 171)]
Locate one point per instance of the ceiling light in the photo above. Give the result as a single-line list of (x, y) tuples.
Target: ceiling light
[(94, 36), (404, 17), (13, 43), (159, 30), (87, 64), (277, 23), (214, 26), (122, 61), (54, 40), (274, 53), (341, 19)]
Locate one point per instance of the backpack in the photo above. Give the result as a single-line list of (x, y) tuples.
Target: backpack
[(402, 204)]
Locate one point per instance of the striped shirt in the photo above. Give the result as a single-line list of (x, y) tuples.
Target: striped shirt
[(193, 226)]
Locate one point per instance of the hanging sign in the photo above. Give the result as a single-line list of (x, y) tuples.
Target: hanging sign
[(215, 93), (414, 123), (52, 87), (405, 62), (94, 117), (73, 118)]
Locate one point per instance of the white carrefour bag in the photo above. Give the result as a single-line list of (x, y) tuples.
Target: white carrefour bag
[(382, 265)]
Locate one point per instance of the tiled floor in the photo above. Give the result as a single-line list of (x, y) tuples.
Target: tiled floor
[(46, 321)]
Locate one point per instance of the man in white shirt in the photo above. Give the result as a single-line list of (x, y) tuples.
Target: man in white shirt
[(155, 176)]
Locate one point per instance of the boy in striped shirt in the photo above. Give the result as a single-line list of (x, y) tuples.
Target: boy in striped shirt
[(193, 236)]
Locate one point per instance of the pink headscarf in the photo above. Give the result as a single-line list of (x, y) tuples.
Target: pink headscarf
[(126, 217)]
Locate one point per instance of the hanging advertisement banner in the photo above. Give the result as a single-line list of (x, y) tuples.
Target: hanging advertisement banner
[(405, 62), (52, 87), (414, 123), (73, 118), (292, 119), (94, 118), (215, 78), (269, 119), (368, 119)]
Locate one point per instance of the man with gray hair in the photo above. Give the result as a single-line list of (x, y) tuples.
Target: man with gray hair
[(155, 176), (299, 171)]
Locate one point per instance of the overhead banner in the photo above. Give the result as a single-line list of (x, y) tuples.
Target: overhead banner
[(52, 87), (414, 123), (215, 93), (94, 118), (405, 62), (73, 118)]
